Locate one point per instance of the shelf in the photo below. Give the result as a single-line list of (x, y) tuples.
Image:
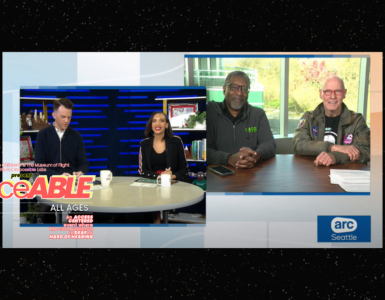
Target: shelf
[(29, 131), (44, 101), (29, 162), (185, 98), (197, 160), (38, 99)]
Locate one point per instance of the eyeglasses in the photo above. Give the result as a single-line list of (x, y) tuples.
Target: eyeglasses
[(235, 87), (336, 92)]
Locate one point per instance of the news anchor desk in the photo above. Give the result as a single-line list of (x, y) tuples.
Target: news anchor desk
[(284, 173), (121, 197)]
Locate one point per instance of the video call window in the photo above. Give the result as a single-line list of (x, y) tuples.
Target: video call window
[(268, 75)]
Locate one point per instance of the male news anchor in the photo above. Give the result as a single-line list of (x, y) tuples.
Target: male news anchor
[(238, 134), (332, 132), (60, 144)]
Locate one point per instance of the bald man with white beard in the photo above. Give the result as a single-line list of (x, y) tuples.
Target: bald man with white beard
[(332, 133)]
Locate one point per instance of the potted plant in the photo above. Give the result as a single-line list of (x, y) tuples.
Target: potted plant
[(196, 121), (31, 213), (23, 219)]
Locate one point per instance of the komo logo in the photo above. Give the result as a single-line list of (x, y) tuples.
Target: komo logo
[(342, 225)]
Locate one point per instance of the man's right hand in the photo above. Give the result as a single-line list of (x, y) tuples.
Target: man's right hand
[(66, 174), (350, 150), (245, 158)]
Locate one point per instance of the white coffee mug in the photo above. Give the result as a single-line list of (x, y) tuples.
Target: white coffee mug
[(165, 180), (105, 177)]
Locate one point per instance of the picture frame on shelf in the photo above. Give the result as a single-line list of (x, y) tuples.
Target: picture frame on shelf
[(26, 152), (176, 110)]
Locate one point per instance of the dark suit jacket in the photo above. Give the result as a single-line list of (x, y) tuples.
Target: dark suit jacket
[(176, 158), (49, 149)]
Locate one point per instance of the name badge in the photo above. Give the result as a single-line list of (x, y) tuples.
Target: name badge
[(348, 139)]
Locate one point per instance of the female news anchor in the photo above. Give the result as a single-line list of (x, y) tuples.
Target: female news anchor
[(161, 152)]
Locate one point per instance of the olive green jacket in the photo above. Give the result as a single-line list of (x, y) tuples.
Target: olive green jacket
[(308, 138)]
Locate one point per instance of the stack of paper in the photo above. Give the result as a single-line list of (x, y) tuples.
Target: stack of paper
[(143, 184), (351, 180), (96, 187)]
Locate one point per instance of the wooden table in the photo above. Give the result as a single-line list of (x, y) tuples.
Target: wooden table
[(284, 173), (122, 197)]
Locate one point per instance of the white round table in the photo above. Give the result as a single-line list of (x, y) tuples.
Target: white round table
[(122, 197)]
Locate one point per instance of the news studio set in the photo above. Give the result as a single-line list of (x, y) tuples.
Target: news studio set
[(282, 202), (112, 123)]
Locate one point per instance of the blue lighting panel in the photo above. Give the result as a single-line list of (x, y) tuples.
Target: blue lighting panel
[(137, 128), (131, 172), (93, 173), (124, 141), (181, 133), (136, 122), (122, 105), (80, 91), (75, 111), (97, 159), (86, 111), (92, 128), (98, 167), (143, 116), (131, 166), (87, 97), (127, 153), (75, 105), (37, 96), (140, 105), (135, 140), (44, 90), (88, 154), (192, 165), (150, 90), (96, 134), (88, 141), (74, 123), (123, 97), (123, 91), (138, 97), (138, 110), (91, 105), (136, 146)]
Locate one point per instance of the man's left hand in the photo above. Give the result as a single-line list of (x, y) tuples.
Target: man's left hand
[(350, 150), (324, 159), (247, 158)]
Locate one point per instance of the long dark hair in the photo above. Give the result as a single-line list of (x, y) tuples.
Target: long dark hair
[(167, 133)]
